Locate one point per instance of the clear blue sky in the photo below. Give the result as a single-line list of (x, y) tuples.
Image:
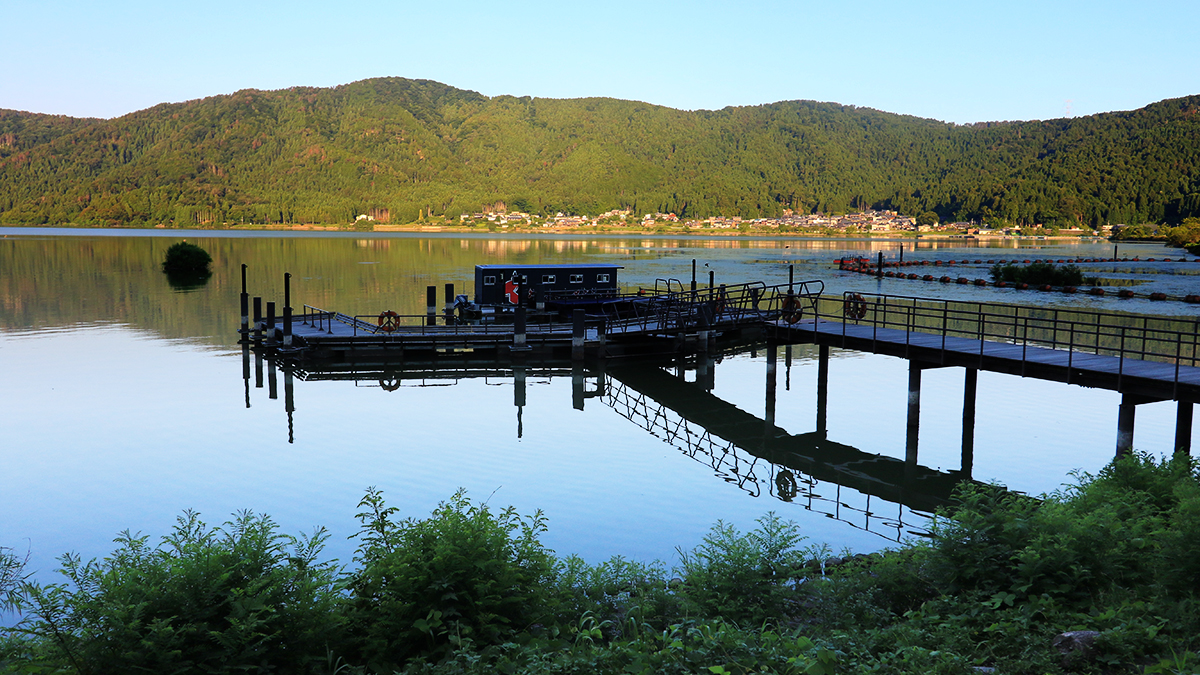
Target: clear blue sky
[(956, 61)]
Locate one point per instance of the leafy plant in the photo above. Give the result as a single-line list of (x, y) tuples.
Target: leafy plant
[(464, 576), (236, 597), (1038, 273)]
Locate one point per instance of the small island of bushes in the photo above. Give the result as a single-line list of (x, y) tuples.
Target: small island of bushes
[(1100, 577)]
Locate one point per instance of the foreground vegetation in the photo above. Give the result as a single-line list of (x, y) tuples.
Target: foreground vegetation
[(403, 151), (472, 590)]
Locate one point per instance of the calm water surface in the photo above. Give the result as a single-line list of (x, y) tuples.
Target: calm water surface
[(124, 402)]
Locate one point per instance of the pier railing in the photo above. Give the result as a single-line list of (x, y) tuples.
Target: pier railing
[(715, 307), (1163, 339)]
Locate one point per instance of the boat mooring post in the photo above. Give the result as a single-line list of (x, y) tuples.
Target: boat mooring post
[(901, 252), (791, 277), (970, 385), (879, 270), (578, 332), (245, 305), (1183, 428), (287, 309), (271, 322), (711, 276), (449, 304), (519, 330), (431, 305), (914, 413), (693, 275)]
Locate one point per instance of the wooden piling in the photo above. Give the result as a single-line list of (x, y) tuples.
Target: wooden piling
[(519, 330), (449, 304), (258, 319), (271, 321), (431, 305), (693, 275), (245, 305), (287, 309)]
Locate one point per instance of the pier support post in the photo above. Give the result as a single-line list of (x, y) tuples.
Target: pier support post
[(431, 305), (449, 304), (539, 299), (879, 270), (822, 388), (270, 322), (578, 332), (245, 305), (519, 330), (772, 358), (791, 278), (287, 309), (914, 412), (1125, 416), (711, 279), (1183, 428), (693, 275), (970, 386)]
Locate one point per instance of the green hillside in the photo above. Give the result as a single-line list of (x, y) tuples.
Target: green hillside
[(405, 149)]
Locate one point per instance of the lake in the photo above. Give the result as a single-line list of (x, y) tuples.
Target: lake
[(124, 401)]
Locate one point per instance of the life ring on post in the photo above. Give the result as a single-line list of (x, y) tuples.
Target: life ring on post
[(388, 321), (785, 485), (854, 306), (791, 309), (391, 384)]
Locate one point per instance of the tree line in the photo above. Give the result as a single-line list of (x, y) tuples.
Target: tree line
[(416, 150)]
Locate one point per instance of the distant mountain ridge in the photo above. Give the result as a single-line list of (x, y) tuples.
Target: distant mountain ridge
[(408, 149)]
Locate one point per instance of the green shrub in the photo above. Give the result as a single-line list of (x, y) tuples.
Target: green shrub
[(744, 577), (1038, 273), (462, 576), (184, 258), (214, 600)]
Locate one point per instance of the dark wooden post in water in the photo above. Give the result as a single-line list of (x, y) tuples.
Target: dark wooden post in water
[(822, 388), (879, 270), (1183, 428), (693, 275), (431, 305), (970, 385), (519, 330), (449, 304), (578, 332), (772, 367), (711, 282), (245, 305), (287, 309), (258, 319), (539, 299), (901, 252), (271, 322), (914, 413), (791, 277)]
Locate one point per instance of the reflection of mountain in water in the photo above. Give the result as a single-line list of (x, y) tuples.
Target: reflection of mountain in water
[(884, 495)]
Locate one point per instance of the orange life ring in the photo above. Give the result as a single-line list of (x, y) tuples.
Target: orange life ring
[(854, 306), (791, 309), (388, 321)]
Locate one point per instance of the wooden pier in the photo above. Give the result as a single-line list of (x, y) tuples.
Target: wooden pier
[(1146, 359)]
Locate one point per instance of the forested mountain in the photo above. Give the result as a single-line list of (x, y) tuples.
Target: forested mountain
[(407, 149)]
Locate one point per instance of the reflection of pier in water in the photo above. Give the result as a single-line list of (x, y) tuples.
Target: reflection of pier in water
[(887, 496)]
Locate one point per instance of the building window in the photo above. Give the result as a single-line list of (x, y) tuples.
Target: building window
[(488, 281), (577, 278), (547, 278), (602, 278)]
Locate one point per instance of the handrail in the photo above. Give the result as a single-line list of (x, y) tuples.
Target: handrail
[(1171, 340)]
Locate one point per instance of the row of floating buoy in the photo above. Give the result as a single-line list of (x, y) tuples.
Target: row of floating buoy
[(915, 263), (863, 266)]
